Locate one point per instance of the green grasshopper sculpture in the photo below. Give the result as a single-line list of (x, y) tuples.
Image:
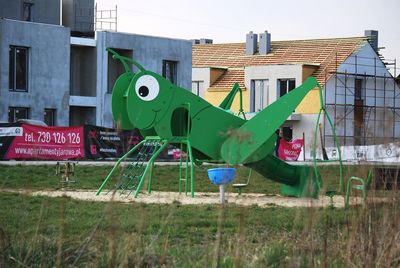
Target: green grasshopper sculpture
[(151, 103)]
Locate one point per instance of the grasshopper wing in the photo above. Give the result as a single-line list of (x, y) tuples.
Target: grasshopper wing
[(256, 138)]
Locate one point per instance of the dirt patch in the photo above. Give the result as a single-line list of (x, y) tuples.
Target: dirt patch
[(246, 199)]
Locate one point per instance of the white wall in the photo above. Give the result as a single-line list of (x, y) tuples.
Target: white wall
[(307, 126), (272, 73), (202, 74), (389, 153)]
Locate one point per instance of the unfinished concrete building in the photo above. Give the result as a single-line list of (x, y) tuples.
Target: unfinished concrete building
[(56, 68)]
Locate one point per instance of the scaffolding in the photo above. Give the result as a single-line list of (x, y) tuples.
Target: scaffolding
[(106, 20), (363, 98)]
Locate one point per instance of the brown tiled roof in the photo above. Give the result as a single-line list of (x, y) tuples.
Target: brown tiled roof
[(229, 78), (327, 53)]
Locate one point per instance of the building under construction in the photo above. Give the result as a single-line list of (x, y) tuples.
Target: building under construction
[(362, 98), (55, 67), (360, 93)]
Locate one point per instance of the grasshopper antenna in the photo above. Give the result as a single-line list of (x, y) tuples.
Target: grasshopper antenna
[(124, 61)]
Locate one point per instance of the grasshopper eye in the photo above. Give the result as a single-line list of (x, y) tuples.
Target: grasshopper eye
[(147, 88)]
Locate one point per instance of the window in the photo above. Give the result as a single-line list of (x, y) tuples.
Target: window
[(18, 68), (358, 94), (258, 95), (50, 117), (169, 70), (83, 71), (197, 88), (79, 115), (285, 86), (358, 111), (287, 132), (27, 11), (16, 113)]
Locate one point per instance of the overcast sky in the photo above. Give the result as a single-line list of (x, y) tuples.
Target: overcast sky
[(229, 20)]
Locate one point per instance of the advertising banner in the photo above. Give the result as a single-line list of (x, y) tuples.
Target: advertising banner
[(7, 133), (175, 154), (101, 142), (25, 141), (37, 142), (290, 151)]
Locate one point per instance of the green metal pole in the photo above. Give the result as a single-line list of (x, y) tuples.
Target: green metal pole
[(191, 168), (241, 104), (117, 164), (335, 137), (180, 168), (189, 119), (187, 169), (315, 148), (151, 178), (322, 108), (189, 155), (339, 152)]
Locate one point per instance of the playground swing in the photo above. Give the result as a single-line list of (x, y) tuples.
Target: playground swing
[(67, 171), (226, 105), (240, 186), (360, 185)]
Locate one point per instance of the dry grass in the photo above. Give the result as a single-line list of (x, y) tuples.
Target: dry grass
[(39, 231)]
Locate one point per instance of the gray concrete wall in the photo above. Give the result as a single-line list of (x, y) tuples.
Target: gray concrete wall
[(149, 51), (48, 71), (44, 11)]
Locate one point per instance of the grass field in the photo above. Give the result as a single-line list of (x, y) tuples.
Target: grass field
[(165, 178), (61, 232)]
